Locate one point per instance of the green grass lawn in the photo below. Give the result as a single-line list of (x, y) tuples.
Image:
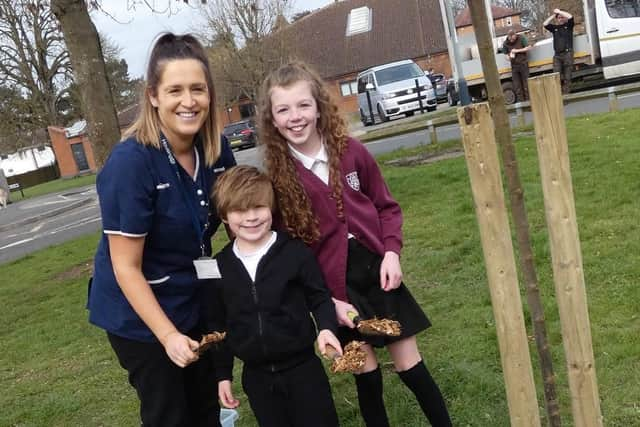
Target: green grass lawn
[(54, 187), (57, 370)]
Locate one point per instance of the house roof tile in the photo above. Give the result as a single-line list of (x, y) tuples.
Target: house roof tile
[(401, 29)]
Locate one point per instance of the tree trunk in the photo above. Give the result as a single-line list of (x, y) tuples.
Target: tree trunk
[(516, 197), (87, 61)]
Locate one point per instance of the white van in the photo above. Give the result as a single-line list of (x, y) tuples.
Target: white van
[(393, 91)]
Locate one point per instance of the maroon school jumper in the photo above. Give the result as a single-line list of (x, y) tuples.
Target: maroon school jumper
[(371, 215)]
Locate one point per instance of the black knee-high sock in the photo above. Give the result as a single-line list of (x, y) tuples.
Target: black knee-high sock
[(369, 386), (420, 382)]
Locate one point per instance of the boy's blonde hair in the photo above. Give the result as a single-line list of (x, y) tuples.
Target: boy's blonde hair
[(241, 188)]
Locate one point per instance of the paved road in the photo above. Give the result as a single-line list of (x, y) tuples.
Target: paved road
[(44, 221), (41, 222), (590, 106)]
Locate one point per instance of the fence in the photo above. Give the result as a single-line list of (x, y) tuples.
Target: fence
[(35, 177), (519, 109)]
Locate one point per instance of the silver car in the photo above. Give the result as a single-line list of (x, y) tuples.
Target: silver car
[(394, 89)]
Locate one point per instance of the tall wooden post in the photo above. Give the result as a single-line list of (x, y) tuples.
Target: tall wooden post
[(479, 17), (481, 153), (553, 158)]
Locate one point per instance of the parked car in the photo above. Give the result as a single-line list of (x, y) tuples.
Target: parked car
[(391, 90), (453, 97), (240, 134), (439, 83)]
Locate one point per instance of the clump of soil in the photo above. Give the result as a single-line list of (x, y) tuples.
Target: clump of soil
[(84, 269), (209, 340), (378, 326), (352, 359)]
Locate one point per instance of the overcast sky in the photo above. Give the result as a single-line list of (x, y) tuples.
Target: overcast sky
[(134, 29)]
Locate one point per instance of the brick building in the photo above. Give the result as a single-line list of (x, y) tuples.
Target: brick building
[(349, 36), (504, 19), (72, 149)]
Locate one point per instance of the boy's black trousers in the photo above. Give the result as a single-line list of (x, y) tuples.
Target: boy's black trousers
[(295, 397)]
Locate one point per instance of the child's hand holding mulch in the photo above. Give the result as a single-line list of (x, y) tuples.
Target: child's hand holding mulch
[(352, 359)]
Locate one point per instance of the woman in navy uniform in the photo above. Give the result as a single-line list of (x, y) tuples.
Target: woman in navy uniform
[(154, 199)]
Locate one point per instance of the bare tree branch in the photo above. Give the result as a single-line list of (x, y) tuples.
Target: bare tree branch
[(33, 56), (243, 45), (81, 37)]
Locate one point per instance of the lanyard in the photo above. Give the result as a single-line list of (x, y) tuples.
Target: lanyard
[(191, 207)]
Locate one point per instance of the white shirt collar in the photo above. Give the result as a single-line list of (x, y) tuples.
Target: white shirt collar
[(308, 161)]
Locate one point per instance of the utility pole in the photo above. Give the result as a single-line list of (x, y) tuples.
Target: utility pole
[(452, 47)]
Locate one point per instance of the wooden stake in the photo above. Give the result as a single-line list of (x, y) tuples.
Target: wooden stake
[(553, 158), (481, 153), (480, 20)]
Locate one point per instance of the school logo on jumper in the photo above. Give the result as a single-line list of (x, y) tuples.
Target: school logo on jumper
[(353, 181)]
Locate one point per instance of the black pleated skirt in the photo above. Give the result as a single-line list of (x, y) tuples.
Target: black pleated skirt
[(364, 292)]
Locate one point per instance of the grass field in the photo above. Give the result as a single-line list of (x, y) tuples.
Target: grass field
[(57, 370)]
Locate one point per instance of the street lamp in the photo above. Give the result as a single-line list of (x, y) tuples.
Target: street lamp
[(452, 47)]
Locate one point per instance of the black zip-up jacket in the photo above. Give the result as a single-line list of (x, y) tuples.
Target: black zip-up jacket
[(268, 322)]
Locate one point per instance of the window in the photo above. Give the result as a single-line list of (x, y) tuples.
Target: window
[(509, 22), (623, 8), (362, 83), (349, 88), (398, 73), (359, 21)]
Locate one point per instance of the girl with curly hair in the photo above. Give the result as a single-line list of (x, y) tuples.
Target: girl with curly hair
[(332, 195)]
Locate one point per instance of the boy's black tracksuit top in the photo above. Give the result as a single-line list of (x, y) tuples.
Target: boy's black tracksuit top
[(268, 322)]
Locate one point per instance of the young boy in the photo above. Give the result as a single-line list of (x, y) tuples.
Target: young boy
[(268, 285)]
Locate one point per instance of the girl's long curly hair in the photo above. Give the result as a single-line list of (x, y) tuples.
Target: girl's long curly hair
[(293, 201)]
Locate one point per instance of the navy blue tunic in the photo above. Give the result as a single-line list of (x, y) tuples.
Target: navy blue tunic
[(141, 196)]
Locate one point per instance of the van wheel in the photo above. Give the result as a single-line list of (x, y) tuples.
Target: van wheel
[(509, 93), (382, 115)]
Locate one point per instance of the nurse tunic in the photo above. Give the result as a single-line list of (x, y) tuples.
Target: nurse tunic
[(142, 195)]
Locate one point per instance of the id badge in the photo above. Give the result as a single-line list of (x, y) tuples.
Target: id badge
[(207, 268)]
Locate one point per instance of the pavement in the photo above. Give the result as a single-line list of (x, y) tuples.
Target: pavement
[(35, 209)]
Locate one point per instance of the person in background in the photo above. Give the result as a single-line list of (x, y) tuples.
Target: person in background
[(268, 284), (562, 33), (515, 47), (431, 75), (156, 219), (332, 195)]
